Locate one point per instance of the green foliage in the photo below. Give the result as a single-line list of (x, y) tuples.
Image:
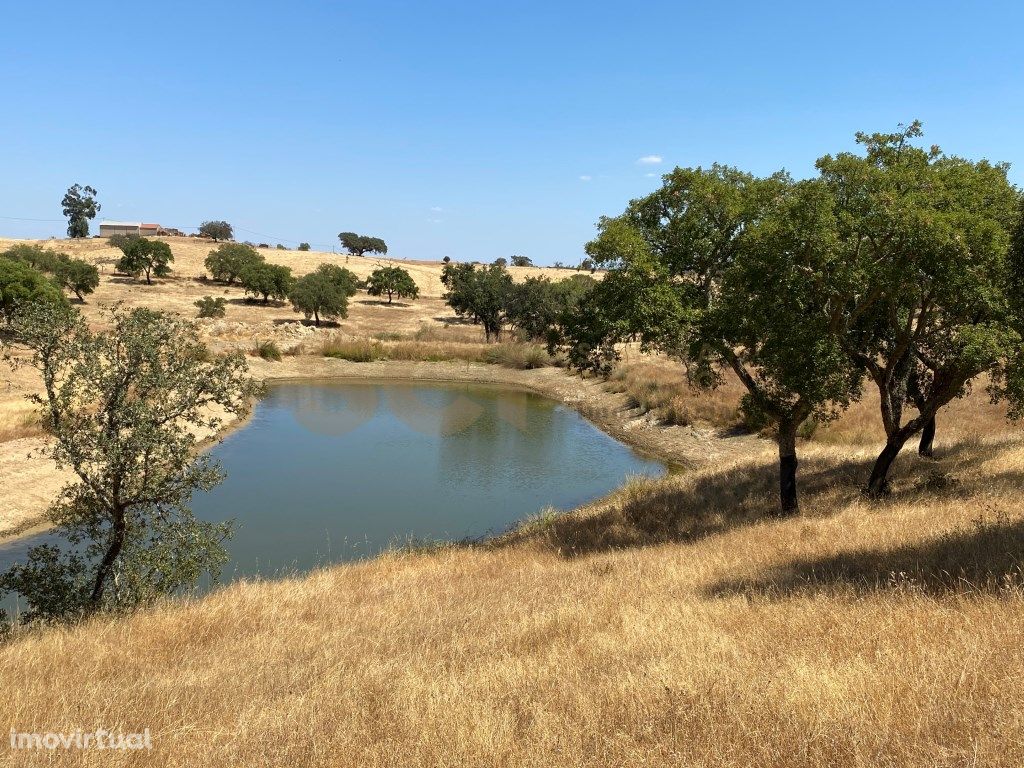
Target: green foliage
[(522, 261), (280, 247), (144, 256), (303, 246), (123, 406), (393, 281), (360, 245), (79, 206), (271, 281), (710, 269), (921, 284), (216, 230), (74, 275), (501, 261), (227, 262), (319, 296), (539, 308), (447, 259), (268, 350), (345, 279), (21, 286), (77, 276), (479, 293), (212, 307)]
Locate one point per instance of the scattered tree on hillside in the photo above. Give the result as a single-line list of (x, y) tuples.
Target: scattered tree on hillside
[(124, 406), (360, 245), (501, 261), (216, 230), (709, 269), (316, 295), (919, 289), (75, 275), (227, 262), (539, 309), (480, 293), (447, 259), (79, 206), (21, 285), (522, 261), (393, 281), (271, 281), (144, 256), (303, 246), (344, 278), (209, 306)]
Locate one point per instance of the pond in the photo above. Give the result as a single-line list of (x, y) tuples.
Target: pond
[(331, 471)]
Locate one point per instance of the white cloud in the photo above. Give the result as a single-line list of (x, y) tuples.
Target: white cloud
[(436, 208), (649, 160), (435, 221), (650, 175), (585, 178)]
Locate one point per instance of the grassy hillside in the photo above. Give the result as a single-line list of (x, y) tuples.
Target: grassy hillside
[(675, 623)]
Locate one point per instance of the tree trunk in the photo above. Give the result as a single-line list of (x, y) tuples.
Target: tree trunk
[(117, 533), (787, 468), (924, 448), (316, 317)]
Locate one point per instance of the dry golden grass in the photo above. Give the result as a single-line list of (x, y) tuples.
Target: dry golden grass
[(18, 419), (659, 386), (672, 624)]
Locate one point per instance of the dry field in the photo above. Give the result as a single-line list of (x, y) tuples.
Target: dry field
[(673, 623)]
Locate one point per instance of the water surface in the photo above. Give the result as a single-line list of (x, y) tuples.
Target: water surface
[(337, 470)]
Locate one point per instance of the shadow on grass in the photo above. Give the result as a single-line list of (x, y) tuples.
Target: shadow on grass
[(382, 303), (681, 510), (984, 558)]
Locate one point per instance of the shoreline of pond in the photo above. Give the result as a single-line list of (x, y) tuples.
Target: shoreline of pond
[(678, 447)]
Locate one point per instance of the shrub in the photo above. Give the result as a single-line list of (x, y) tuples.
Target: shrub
[(212, 307), (303, 246), (268, 350)]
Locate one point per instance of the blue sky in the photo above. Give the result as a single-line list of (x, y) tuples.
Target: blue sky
[(469, 129)]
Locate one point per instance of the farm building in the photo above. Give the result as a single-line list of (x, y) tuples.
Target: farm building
[(108, 228)]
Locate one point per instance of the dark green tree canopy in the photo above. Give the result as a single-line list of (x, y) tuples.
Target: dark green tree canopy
[(229, 260), (393, 281), (522, 261), (918, 288), (360, 245), (144, 256), (709, 269), (79, 206), (270, 281), (303, 246), (345, 279), (21, 285), (479, 293), (216, 230), (318, 296), (75, 275)]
